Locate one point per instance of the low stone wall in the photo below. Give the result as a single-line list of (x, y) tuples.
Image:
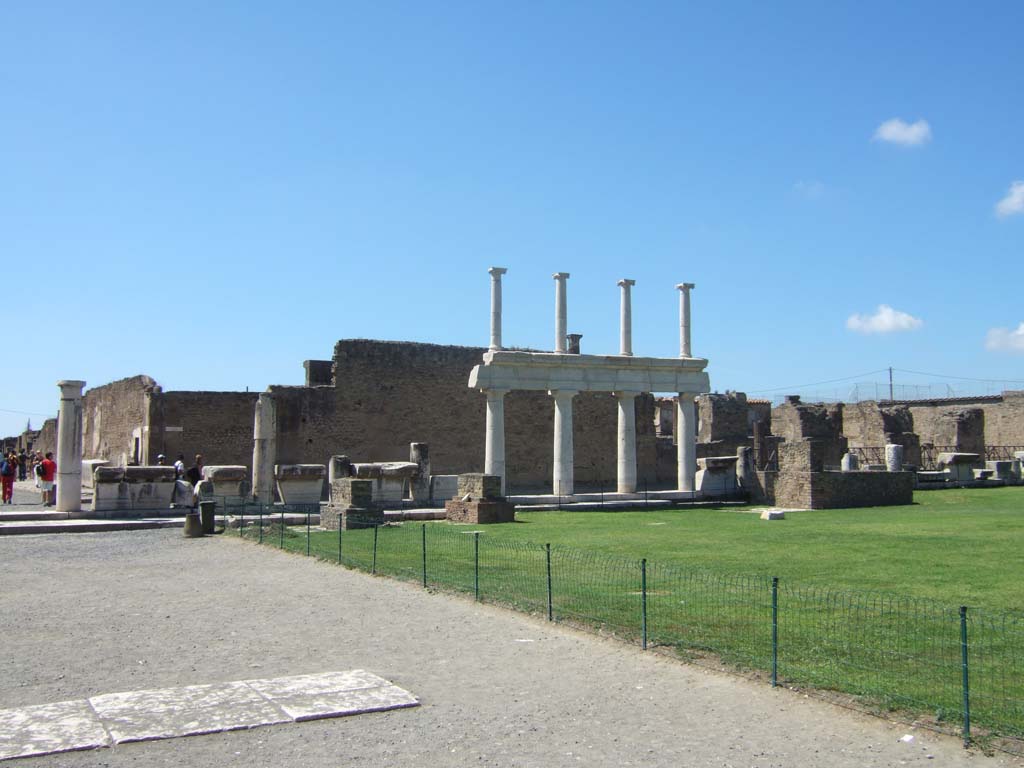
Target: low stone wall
[(838, 490)]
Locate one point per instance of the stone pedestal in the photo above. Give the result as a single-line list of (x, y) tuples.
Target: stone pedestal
[(1007, 471), (123, 489), (352, 506), (959, 467), (88, 466), (300, 483), (894, 458), (479, 501), (69, 447), (228, 481), (716, 475), (850, 462), (389, 479)]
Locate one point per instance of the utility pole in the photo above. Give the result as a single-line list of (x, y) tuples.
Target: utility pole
[(890, 384)]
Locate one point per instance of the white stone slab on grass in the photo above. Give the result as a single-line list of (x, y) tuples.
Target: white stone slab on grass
[(188, 711), (333, 694), (45, 729)]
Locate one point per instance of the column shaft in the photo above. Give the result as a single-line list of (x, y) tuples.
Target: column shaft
[(69, 447), (686, 449), (684, 318), (562, 484), (264, 452), (626, 318), (496, 273), (626, 474), (560, 311), (494, 444)]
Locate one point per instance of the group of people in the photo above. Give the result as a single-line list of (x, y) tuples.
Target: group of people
[(16, 466)]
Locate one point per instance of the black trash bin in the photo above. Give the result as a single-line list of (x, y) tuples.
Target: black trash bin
[(207, 510)]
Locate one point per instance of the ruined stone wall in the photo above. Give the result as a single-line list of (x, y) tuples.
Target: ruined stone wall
[(46, 440), (759, 410), (218, 425), (962, 428), (1004, 420), (869, 424), (840, 490), (112, 416), (794, 421), (389, 394), (722, 417)]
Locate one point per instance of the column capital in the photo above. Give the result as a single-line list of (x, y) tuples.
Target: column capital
[(626, 282), (625, 395), (563, 393), (560, 275), (494, 391), (497, 271), (70, 387), (685, 287), (687, 397)]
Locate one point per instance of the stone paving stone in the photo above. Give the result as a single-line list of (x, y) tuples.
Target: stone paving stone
[(44, 729), (333, 694), (187, 711)]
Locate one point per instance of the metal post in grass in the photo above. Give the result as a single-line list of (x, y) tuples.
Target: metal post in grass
[(643, 601), (261, 523), (775, 631), (964, 676), (424, 537), (476, 565), (373, 567), (551, 612)]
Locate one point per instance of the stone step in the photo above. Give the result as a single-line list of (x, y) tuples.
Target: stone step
[(85, 526)]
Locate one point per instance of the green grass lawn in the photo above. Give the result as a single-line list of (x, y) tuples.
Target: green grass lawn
[(867, 600)]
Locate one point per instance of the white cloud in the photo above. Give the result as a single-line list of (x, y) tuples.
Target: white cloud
[(897, 131), (1013, 203), (885, 320), (1005, 340), (812, 190)]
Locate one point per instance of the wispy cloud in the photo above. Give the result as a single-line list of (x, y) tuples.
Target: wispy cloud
[(896, 131), (885, 320), (1005, 340), (1013, 203), (810, 189)]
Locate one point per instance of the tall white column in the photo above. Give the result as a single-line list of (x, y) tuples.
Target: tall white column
[(686, 449), (684, 318), (496, 273), (560, 312), (626, 475), (69, 447), (626, 318), (494, 443), (563, 464), (264, 451)]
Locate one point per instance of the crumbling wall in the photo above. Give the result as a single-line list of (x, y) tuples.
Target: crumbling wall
[(1004, 420), (868, 424), (962, 429), (794, 421), (113, 415), (218, 425), (46, 440), (722, 417)]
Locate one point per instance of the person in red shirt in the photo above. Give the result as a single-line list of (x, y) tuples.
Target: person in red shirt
[(47, 475)]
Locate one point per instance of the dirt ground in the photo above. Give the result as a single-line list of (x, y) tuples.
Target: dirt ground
[(85, 614)]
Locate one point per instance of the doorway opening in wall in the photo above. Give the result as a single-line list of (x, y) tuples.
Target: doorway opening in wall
[(135, 451)]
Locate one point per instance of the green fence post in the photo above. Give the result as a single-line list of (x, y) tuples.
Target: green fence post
[(282, 529), (551, 612), (476, 565), (373, 568), (424, 529), (775, 631), (340, 526), (643, 600), (964, 676), (307, 532)]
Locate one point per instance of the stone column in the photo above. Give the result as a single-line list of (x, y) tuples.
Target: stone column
[(69, 447), (494, 443), (626, 317), (893, 458), (684, 318), (849, 463), (745, 467), (626, 474), (496, 273), (419, 487), (686, 449), (563, 464), (264, 451), (560, 313)]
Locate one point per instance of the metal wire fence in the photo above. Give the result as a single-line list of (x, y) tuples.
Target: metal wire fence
[(951, 668)]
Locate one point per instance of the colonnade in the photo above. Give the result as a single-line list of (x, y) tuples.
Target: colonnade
[(626, 463)]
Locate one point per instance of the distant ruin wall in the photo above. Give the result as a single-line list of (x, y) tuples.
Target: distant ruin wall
[(113, 415), (218, 425), (838, 490), (46, 441), (961, 428)]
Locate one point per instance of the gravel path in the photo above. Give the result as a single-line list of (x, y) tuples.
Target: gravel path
[(97, 613)]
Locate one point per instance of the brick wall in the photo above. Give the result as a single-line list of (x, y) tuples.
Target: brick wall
[(113, 415), (839, 490), (963, 428), (1004, 421), (46, 441), (722, 417), (219, 425)]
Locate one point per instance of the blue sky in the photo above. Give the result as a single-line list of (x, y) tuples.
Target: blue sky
[(212, 193)]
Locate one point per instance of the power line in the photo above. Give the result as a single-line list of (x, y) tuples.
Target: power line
[(819, 383), (961, 378), (25, 413)]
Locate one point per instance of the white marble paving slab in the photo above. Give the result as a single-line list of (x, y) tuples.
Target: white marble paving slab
[(46, 729), (333, 694), (189, 711)]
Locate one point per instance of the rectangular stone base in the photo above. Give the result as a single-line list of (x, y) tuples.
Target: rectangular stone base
[(480, 512), (349, 518)]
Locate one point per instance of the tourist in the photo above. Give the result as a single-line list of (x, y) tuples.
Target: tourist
[(22, 465), (195, 472), (161, 460), (47, 475), (179, 466), (8, 471)]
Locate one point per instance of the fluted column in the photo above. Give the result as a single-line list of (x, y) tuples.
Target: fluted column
[(69, 447), (684, 318), (560, 311), (494, 443), (686, 448), (626, 317), (562, 484), (264, 451), (496, 273), (626, 465)]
